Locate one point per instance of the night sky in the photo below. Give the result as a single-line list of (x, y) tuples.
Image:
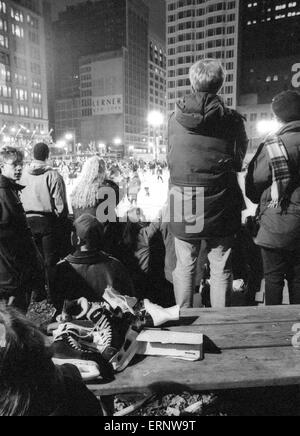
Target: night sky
[(157, 12)]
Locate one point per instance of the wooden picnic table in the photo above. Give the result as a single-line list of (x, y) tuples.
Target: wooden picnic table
[(245, 348)]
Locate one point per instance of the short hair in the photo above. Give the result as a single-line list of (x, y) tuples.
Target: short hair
[(10, 154), (286, 106), (207, 75), (90, 231), (41, 151)]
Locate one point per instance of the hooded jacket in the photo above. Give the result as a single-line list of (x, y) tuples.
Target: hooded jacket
[(279, 228), (45, 191), (207, 146), (19, 265), (88, 274)]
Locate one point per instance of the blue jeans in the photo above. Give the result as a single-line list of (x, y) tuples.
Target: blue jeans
[(184, 276)]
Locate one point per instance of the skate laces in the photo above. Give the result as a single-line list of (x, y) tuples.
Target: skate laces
[(71, 341), (101, 334)]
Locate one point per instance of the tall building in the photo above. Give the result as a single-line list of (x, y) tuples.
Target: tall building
[(23, 87), (198, 29), (92, 29), (270, 59), (157, 82)]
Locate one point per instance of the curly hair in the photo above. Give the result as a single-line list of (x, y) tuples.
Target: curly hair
[(86, 193)]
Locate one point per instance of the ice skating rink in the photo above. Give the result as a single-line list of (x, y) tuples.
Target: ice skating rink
[(154, 193)]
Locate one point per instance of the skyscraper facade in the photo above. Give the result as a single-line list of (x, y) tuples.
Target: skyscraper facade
[(269, 61), (270, 42), (198, 29), (23, 87), (95, 28), (157, 83)]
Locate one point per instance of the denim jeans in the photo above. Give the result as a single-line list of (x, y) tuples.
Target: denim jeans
[(278, 266), (184, 276)]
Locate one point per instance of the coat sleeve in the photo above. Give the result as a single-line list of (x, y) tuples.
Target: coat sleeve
[(122, 281), (59, 196), (147, 233), (241, 145), (259, 175)]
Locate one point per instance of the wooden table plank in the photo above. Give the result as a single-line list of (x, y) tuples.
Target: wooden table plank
[(237, 315), (237, 336), (256, 352), (233, 369)]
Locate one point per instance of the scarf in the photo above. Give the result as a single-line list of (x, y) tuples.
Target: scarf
[(281, 177)]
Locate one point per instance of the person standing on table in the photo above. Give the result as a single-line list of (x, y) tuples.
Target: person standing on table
[(207, 145), (273, 181), (45, 202), (21, 269)]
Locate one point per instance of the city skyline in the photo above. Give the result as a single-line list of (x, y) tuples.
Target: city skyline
[(156, 7)]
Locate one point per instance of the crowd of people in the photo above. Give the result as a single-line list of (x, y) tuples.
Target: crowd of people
[(64, 249)]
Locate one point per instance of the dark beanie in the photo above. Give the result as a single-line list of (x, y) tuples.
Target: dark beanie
[(286, 106), (89, 230), (41, 151)]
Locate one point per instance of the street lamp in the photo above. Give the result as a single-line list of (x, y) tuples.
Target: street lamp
[(117, 141), (70, 137), (155, 120)]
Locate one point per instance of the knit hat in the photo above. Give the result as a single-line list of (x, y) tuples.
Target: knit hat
[(89, 230), (41, 151), (286, 106)]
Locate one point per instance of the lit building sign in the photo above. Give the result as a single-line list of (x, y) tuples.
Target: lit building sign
[(108, 105), (107, 86)]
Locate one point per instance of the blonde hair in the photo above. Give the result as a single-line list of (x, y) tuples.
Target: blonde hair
[(207, 75), (86, 193)]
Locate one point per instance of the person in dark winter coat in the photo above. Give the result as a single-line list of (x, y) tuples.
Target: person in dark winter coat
[(146, 251), (207, 145), (20, 267), (89, 271), (273, 181), (44, 199)]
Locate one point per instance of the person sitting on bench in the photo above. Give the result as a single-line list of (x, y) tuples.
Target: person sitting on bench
[(89, 271)]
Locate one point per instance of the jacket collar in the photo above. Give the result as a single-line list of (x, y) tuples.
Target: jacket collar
[(87, 257), (6, 183), (293, 126)]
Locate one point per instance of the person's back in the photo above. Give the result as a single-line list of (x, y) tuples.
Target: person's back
[(45, 202), (89, 271), (207, 145), (273, 181), (45, 192)]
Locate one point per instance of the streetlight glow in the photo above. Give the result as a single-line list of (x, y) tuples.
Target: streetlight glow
[(265, 127), (69, 136), (155, 119), (61, 144), (117, 141)]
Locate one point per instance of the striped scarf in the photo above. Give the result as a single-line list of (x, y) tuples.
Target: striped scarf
[(281, 176)]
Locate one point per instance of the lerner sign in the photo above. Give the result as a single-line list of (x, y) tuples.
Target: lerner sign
[(108, 105), (296, 76)]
